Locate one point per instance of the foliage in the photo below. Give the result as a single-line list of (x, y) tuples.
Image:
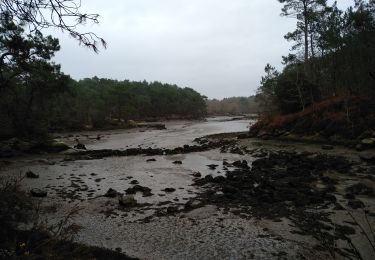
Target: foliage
[(99, 102), (333, 55), (37, 97), (233, 106)]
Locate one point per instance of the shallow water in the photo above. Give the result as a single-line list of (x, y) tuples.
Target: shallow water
[(178, 133), (205, 233)]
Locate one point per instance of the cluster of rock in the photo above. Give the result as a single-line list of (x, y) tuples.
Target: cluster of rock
[(98, 154), (274, 186)]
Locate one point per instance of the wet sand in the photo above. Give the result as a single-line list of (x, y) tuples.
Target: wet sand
[(203, 233)]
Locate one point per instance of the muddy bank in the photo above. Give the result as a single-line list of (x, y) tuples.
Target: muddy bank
[(204, 145)]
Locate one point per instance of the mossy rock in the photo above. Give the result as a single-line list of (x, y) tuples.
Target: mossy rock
[(132, 123), (368, 141), (56, 146)]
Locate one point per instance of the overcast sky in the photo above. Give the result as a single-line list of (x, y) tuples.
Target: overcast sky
[(217, 47)]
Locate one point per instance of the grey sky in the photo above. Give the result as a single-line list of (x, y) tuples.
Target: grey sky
[(217, 47)]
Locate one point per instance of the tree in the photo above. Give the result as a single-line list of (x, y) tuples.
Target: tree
[(18, 52), (339, 56), (305, 12), (62, 14)]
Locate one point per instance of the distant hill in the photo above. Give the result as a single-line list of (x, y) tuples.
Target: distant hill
[(232, 105)]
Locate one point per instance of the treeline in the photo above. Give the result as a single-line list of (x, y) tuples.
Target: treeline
[(99, 101), (93, 103), (333, 54), (36, 97), (232, 106)]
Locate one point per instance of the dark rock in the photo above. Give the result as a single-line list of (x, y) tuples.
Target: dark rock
[(151, 160), (229, 189), (208, 178), (80, 146), (32, 175), (147, 193), (212, 166), (367, 157), (38, 193), (356, 204), (138, 188), (197, 174), (111, 193), (219, 179), (172, 209), (134, 182), (241, 164), (360, 147), (177, 162), (349, 196), (360, 189), (169, 190)]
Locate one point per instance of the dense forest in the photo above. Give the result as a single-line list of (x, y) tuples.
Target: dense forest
[(232, 106), (36, 97), (328, 79)]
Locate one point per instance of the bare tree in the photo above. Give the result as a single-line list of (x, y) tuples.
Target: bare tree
[(61, 14)]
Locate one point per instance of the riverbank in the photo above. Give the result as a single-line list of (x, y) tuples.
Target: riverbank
[(341, 120), (241, 198)]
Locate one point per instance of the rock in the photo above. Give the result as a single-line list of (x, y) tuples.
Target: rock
[(177, 162), (327, 147), (367, 157), (111, 193), (368, 141), (359, 189), (56, 146), (32, 175), (127, 201), (138, 188), (169, 190), (219, 179), (80, 146), (151, 160), (147, 193), (241, 164), (212, 166), (359, 147), (134, 182), (38, 193), (349, 196), (356, 204), (197, 174), (208, 178), (172, 209)]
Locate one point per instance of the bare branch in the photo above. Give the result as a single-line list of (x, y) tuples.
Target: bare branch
[(61, 14)]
